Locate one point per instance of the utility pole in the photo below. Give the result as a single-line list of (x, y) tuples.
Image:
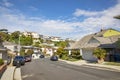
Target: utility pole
[(19, 45)]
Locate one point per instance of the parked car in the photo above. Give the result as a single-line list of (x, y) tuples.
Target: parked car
[(42, 56), (18, 61), (54, 58), (28, 58)]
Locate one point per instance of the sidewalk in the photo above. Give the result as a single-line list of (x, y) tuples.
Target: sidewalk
[(11, 73), (8, 74), (93, 65), (17, 75)]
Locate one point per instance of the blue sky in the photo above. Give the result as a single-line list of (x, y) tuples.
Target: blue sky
[(64, 18)]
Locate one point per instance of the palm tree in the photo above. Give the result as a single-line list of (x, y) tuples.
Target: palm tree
[(100, 54)]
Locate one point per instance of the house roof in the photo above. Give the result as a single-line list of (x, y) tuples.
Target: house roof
[(82, 42), (104, 42), (100, 34), (117, 17), (2, 48)]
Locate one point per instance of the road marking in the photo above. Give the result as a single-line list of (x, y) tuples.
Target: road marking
[(25, 76)]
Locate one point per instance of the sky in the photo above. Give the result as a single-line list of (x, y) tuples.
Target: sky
[(62, 18)]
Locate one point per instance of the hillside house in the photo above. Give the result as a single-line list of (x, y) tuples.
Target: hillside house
[(104, 39)]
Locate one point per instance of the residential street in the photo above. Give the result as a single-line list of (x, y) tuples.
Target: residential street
[(44, 69)]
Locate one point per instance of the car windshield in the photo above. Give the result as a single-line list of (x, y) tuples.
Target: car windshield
[(19, 57)]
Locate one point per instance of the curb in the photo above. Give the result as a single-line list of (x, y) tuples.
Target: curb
[(100, 66), (9, 72), (2, 69), (17, 74), (112, 68)]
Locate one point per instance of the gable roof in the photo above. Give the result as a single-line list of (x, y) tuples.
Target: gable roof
[(82, 42), (105, 42)]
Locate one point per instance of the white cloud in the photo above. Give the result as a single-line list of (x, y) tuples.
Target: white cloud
[(6, 3), (97, 20), (80, 12), (63, 28)]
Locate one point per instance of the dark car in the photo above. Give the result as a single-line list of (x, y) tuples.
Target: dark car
[(54, 58), (42, 56), (28, 58), (18, 61)]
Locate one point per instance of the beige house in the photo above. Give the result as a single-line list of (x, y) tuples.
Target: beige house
[(12, 47), (35, 36), (87, 44)]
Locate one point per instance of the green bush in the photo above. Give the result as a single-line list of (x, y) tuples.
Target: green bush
[(22, 52), (29, 52), (1, 61), (99, 53), (64, 57), (77, 56)]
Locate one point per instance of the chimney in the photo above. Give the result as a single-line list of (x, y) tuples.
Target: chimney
[(102, 28)]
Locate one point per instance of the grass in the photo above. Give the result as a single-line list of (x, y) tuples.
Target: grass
[(113, 63), (72, 59)]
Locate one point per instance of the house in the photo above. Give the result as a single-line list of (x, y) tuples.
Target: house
[(36, 54), (3, 52), (12, 47), (55, 39), (48, 51), (104, 39), (35, 36)]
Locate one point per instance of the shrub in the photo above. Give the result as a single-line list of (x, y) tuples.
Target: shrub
[(1, 61), (29, 52), (22, 52), (99, 53)]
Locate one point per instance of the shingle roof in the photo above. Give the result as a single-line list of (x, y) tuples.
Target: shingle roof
[(105, 42), (82, 42), (100, 34)]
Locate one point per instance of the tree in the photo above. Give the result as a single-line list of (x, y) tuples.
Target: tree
[(100, 54), (61, 52), (15, 36), (117, 17), (62, 44), (22, 52), (29, 52), (118, 43), (37, 44), (1, 39), (4, 36), (26, 40)]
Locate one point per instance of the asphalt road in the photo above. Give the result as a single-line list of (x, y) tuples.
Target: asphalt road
[(44, 69)]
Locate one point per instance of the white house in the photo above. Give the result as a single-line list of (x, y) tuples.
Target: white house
[(49, 51), (3, 52), (12, 47), (36, 54)]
